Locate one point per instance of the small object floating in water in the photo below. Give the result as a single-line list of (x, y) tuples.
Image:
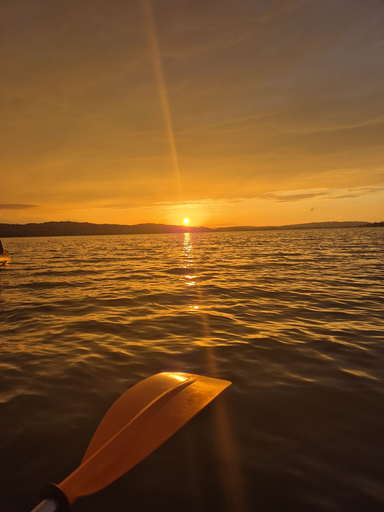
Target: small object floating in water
[(4, 256), (137, 423)]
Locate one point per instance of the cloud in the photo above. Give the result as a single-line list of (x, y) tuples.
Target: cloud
[(283, 197), (359, 192), (17, 206), (334, 194)]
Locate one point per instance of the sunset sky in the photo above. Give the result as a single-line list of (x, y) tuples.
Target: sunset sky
[(230, 112)]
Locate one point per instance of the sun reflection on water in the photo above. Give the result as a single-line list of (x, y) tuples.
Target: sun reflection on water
[(187, 249), (189, 279)]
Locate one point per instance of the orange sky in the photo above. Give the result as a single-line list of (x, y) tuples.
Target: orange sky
[(240, 112)]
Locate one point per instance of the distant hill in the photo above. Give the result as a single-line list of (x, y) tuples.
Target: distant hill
[(87, 228), (310, 225), (374, 224)]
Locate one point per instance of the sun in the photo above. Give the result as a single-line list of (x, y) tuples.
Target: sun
[(186, 221)]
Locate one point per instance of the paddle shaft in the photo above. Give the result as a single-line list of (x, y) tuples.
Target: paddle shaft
[(47, 506)]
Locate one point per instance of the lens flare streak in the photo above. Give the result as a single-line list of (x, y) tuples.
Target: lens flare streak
[(159, 72)]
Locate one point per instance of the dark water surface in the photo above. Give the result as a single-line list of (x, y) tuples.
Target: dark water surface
[(295, 319)]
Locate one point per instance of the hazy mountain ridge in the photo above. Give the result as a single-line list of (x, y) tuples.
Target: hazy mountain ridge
[(87, 228)]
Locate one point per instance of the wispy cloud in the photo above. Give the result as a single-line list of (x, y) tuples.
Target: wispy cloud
[(289, 197), (283, 197), (17, 206)]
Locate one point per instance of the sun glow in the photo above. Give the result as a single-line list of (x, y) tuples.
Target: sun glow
[(186, 221)]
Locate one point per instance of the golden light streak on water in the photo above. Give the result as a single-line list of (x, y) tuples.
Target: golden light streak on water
[(231, 476), (194, 476), (158, 67), (229, 460)]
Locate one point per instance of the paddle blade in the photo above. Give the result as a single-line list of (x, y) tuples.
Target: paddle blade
[(138, 423), (131, 403)]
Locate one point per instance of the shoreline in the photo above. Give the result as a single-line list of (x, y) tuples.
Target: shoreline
[(48, 229)]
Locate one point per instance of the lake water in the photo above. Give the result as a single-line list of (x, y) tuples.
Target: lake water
[(295, 319)]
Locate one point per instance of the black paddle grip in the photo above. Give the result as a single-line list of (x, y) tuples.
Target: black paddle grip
[(52, 492)]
